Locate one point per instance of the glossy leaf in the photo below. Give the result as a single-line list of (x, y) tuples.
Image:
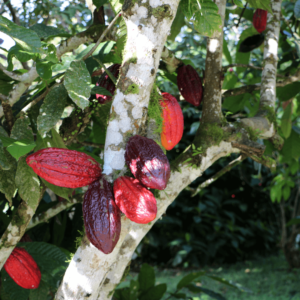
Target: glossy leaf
[(52, 109), (155, 293), (77, 82), (286, 121), (263, 4), (146, 277), (41, 293), (188, 279), (22, 130), (57, 190), (46, 32), (27, 183), (25, 38)]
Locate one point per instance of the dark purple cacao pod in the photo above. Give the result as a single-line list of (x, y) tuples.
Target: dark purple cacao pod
[(190, 85), (102, 218), (107, 83), (134, 200), (147, 162), (22, 268), (260, 20)]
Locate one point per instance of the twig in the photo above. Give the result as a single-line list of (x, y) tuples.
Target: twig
[(11, 74), (101, 37), (90, 144), (237, 25), (266, 161), (53, 211), (13, 13), (209, 181)]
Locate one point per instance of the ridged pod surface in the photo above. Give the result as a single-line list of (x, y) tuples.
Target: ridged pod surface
[(22, 268), (107, 83), (134, 200), (147, 162), (101, 216), (260, 20), (173, 123), (189, 84), (65, 168)]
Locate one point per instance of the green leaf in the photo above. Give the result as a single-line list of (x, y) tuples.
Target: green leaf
[(57, 141), (212, 294), (291, 147), (177, 24), (77, 82), (7, 180), (297, 9), (5, 87), (10, 290), (52, 109), (100, 90), (21, 130), (155, 293), (294, 221), (20, 54), (230, 283), (59, 191), (207, 20), (41, 293), (180, 296), (286, 121), (27, 183), (19, 148), (25, 38), (47, 32), (286, 192), (288, 92), (146, 277), (238, 3), (44, 69), (5, 161), (226, 52), (188, 279), (262, 4), (99, 3)]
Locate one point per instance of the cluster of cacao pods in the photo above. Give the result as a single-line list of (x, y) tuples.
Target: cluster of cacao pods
[(22, 268), (260, 20)]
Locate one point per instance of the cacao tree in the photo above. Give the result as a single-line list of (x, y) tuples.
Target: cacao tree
[(56, 85)]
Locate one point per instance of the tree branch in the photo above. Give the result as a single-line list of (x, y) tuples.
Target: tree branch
[(171, 61), (211, 180), (11, 74), (13, 12), (212, 104), (53, 211), (17, 227)]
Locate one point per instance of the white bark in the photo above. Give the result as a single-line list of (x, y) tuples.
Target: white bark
[(145, 41), (268, 87)]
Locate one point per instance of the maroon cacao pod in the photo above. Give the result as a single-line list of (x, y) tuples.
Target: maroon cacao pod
[(260, 20), (147, 162), (134, 200), (190, 85), (173, 123), (102, 217), (107, 83), (63, 167), (22, 268)]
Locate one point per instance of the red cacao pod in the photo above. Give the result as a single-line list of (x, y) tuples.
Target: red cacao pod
[(190, 85), (147, 162), (63, 167), (260, 20), (134, 200), (107, 83), (172, 122), (102, 217), (22, 268)]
